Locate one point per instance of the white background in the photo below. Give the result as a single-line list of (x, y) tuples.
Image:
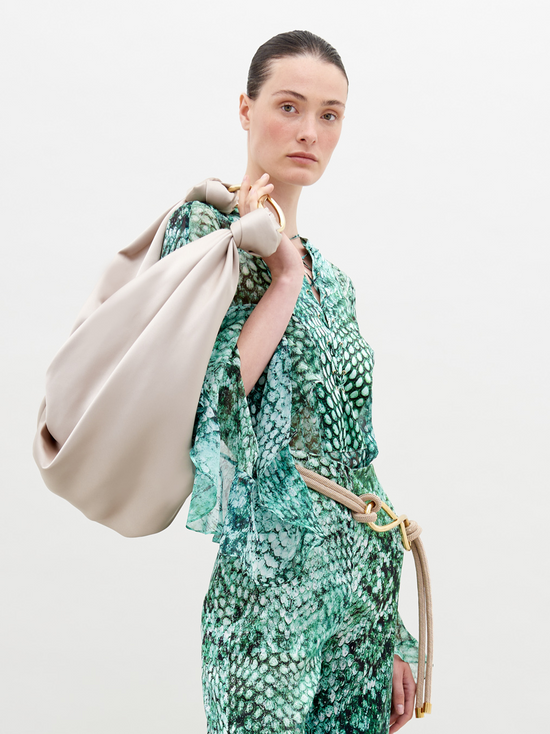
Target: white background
[(436, 203)]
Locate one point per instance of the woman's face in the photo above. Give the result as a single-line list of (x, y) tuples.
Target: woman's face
[(296, 120)]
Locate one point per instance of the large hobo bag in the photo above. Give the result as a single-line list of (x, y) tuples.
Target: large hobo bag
[(115, 426)]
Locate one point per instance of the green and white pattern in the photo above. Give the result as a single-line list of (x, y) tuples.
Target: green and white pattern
[(300, 621)]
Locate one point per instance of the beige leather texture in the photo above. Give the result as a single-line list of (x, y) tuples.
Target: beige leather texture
[(115, 426)]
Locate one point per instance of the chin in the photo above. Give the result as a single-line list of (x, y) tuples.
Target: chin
[(300, 177)]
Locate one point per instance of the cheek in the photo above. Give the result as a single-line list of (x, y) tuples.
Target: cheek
[(271, 128), (329, 142), (332, 139), (276, 131)]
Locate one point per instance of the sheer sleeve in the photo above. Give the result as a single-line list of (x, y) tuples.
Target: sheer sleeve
[(406, 646), (247, 491), (191, 221)]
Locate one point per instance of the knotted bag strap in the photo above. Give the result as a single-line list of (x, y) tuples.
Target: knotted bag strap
[(365, 509)]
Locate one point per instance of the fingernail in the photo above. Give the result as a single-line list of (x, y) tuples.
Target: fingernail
[(400, 708)]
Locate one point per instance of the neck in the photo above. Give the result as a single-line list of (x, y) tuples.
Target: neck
[(287, 196)]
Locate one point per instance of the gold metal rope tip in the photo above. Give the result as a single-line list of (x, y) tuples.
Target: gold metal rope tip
[(419, 713), (427, 707)]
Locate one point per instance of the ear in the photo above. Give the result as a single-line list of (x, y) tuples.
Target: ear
[(245, 106)]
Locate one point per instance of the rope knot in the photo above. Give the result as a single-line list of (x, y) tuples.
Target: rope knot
[(413, 530), (373, 505)]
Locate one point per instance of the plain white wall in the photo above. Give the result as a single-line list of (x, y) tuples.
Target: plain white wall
[(436, 203)]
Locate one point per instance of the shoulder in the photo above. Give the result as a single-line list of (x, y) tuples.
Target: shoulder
[(339, 281), (344, 282), (199, 218), (191, 221), (346, 290)]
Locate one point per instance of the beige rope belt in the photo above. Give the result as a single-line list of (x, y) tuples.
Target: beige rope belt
[(365, 508)]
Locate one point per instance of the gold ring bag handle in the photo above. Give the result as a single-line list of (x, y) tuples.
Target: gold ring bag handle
[(261, 203)]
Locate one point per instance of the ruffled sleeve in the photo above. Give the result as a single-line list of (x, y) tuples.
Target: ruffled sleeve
[(247, 491)]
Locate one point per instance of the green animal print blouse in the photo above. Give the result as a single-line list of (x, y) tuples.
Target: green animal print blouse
[(311, 405)]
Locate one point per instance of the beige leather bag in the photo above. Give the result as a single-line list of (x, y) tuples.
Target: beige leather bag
[(115, 427)]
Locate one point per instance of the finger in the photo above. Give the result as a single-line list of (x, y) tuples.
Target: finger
[(398, 692), (265, 191), (252, 201), (252, 197), (260, 183), (399, 723), (243, 191), (410, 691), (264, 178), (409, 688)]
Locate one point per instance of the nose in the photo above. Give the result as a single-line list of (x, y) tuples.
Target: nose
[(307, 132)]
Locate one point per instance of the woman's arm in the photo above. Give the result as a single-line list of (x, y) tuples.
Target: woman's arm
[(264, 328)]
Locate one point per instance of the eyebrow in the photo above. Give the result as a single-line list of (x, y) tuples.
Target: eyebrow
[(297, 95)]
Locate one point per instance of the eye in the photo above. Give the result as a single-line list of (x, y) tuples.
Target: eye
[(288, 107), (330, 116)]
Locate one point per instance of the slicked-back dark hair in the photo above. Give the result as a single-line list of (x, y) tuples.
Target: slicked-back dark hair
[(293, 43)]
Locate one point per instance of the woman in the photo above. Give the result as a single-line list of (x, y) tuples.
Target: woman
[(300, 625)]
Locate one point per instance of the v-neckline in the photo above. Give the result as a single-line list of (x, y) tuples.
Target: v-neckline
[(314, 274)]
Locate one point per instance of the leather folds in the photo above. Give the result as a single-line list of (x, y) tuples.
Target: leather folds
[(115, 427)]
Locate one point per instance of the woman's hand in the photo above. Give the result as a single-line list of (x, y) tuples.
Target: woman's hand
[(249, 195), (402, 697), (286, 260)]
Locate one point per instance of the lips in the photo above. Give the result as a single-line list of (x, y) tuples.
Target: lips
[(303, 156)]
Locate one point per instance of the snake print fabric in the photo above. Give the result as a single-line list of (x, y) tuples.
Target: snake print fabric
[(279, 540), (314, 654)]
